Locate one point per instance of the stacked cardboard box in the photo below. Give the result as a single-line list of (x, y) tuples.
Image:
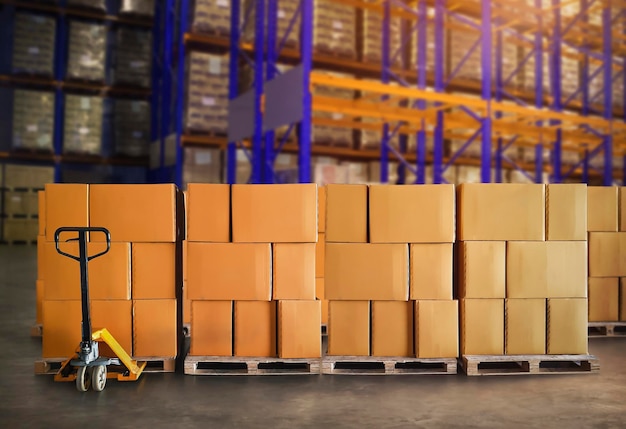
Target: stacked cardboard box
[(133, 57), (430, 44), (207, 93), (87, 51), (607, 253), (202, 165), (390, 291), (33, 119), (91, 4), (33, 44), (521, 272), (327, 134), (372, 25), (211, 16), (83, 124), (137, 7), (252, 288), (140, 277), (334, 28), (131, 119), (286, 10)]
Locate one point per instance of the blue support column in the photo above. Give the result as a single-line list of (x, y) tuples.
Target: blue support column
[(168, 56), (485, 152), (306, 52), (272, 28), (233, 84), (624, 170), (586, 166), (555, 83), (180, 91), (608, 92), (385, 46), (259, 46), (539, 87), (421, 84), (539, 163), (499, 88), (60, 61), (439, 87)]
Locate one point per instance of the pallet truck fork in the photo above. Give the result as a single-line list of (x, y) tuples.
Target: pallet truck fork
[(86, 366)]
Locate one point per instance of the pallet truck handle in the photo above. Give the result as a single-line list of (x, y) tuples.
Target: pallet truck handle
[(81, 231)]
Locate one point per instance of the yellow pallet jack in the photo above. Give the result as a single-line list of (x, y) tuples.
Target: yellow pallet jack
[(86, 366)]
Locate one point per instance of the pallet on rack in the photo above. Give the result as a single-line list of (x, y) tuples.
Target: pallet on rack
[(19, 216), (607, 329), (50, 366), (529, 364), (373, 365), (36, 331), (18, 242), (233, 365)]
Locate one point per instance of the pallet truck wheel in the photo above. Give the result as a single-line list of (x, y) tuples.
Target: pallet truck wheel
[(83, 379), (99, 378)]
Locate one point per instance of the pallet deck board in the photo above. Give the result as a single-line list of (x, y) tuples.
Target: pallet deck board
[(475, 365), (607, 329), (374, 365), (50, 366), (234, 365)]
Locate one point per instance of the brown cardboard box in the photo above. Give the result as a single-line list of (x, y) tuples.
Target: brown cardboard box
[(606, 254), (186, 305), (319, 294), (62, 274), (39, 293), (622, 208), (320, 246), (154, 271), (117, 317), (602, 208), (66, 205), (135, 213), (604, 299), (430, 271), (349, 328), (392, 328), (567, 326), (622, 303), (566, 212), (527, 269), (496, 211), (411, 213), (155, 336), (567, 269), (208, 212), (211, 328), (525, 326), (436, 329), (367, 272), (41, 250), (255, 328), (346, 213), (321, 209), (294, 271), (481, 269), (61, 328), (482, 326), (229, 271), (274, 213), (41, 198), (299, 329)]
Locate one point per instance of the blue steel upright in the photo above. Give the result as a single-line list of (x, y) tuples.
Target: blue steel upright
[(607, 55), (272, 24), (306, 54), (539, 85), (386, 60), (180, 90), (485, 152), (60, 61), (259, 47), (421, 84), (233, 84), (439, 87), (555, 84)]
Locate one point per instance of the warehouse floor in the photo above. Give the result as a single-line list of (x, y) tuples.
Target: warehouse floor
[(174, 400)]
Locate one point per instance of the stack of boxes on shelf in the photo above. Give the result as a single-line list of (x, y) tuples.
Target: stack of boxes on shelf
[(83, 124), (33, 120), (607, 254), (135, 289), (334, 29), (33, 44), (252, 287), (202, 165), (329, 134), (521, 269), (372, 29), (87, 51), (390, 291), (211, 16), (137, 7), (286, 10), (207, 93), (131, 132), (133, 57)]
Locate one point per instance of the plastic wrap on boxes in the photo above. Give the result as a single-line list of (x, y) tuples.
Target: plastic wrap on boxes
[(91, 4), (87, 50), (207, 93), (33, 44), (131, 127), (211, 16), (372, 40), (138, 7), (133, 57), (331, 135), (202, 165), (286, 11), (83, 125), (33, 120), (334, 28)]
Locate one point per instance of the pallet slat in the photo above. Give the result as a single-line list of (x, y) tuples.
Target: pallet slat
[(154, 365), (529, 364), (227, 365), (373, 365), (607, 329)]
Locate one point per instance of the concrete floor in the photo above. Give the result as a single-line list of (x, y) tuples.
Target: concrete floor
[(175, 400)]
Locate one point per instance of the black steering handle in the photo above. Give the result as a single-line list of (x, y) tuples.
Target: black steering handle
[(81, 234)]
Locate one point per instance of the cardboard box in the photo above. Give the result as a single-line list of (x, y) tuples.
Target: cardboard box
[(208, 212), (155, 336), (349, 328), (41, 250), (255, 328), (566, 212), (392, 328), (501, 212), (321, 209), (607, 254), (135, 213), (41, 199), (430, 271), (39, 294), (346, 213), (186, 306), (567, 269), (274, 213), (61, 328), (362, 272), (229, 271), (436, 329), (299, 329), (604, 299), (602, 208), (481, 269), (527, 269), (411, 213), (211, 328), (320, 247), (482, 326), (525, 326), (154, 271), (294, 271), (66, 205), (319, 294), (622, 300), (117, 318), (567, 326)]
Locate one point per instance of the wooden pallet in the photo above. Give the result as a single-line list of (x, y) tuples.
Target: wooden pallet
[(51, 366), (36, 331), (529, 364), (607, 329), (158, 364), (232, 365), (373, 365), (325, 51), (19, 216)]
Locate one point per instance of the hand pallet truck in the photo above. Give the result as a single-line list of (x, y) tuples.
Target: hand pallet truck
[(86, 366)]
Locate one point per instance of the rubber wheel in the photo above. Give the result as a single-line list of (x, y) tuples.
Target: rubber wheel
[(83, 379), (99, 378)]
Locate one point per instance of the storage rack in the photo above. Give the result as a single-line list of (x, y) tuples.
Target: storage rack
[(61, 86)]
